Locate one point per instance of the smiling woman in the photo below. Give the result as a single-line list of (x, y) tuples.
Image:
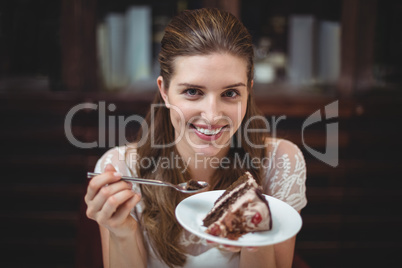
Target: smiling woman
[(204, 122), (217, 81)]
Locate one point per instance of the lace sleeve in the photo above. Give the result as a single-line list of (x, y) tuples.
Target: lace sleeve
[(116, 157), (286, 175)]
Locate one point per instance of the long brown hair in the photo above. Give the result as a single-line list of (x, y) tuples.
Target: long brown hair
[(195, 32)]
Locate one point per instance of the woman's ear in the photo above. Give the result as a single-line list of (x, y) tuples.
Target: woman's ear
[(163, 91), (251, 88)]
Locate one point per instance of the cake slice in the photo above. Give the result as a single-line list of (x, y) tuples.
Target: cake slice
[(240, 209)]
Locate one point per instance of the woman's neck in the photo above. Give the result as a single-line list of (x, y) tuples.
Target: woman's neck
[(200, 166)]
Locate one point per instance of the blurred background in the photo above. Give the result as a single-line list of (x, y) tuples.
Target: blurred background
[(72, 72)]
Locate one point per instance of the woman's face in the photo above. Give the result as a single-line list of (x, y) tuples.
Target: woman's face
[(207, 98)]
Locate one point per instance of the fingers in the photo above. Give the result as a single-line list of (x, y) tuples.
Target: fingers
[(117, 206), (99, 181), (108, 192), (109, 168), (110, 200), (231, 248), (225, 247), (124, 209), (252, 249)]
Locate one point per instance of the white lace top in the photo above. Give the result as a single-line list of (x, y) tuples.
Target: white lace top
[(285, 179)]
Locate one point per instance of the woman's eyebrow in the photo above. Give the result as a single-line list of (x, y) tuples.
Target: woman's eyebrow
[(235, 85), (190, 85), (198, 86)]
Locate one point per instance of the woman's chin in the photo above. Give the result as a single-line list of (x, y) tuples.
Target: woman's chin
[(203, 148), (210, 150)]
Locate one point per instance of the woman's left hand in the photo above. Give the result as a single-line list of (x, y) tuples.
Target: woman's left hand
[(231, 248)]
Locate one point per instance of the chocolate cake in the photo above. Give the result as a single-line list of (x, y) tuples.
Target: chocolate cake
[(240, 209), (193, 185)]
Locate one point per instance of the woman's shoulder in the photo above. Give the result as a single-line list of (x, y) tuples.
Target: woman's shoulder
[(282, 153), (286, 175), (120, 157), (278, 146), (114, 152)]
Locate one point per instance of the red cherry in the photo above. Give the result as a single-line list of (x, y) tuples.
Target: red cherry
[(256, 219), (215, 230)]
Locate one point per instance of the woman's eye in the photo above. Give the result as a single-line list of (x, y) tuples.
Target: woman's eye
[(231, 94), (192, 92)]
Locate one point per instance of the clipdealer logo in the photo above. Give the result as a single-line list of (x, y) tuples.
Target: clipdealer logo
[(103, 119), (331, 154), (108, 124)]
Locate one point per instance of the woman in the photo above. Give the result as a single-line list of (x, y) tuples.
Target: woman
[(203, 125)]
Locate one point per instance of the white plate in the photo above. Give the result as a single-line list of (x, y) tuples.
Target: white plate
[(286, 221)]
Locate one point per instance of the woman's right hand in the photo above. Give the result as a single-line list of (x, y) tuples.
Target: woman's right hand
[(109, 202)]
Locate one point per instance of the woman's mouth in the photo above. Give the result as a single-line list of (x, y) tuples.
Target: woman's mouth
[(208, 133)]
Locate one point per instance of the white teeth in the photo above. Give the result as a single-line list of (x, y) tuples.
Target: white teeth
[(208, 131)]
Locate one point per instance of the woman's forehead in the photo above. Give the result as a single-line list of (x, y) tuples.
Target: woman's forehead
[(211, 67)]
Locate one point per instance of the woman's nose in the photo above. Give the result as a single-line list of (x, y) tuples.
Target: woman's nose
[(212, 110)]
